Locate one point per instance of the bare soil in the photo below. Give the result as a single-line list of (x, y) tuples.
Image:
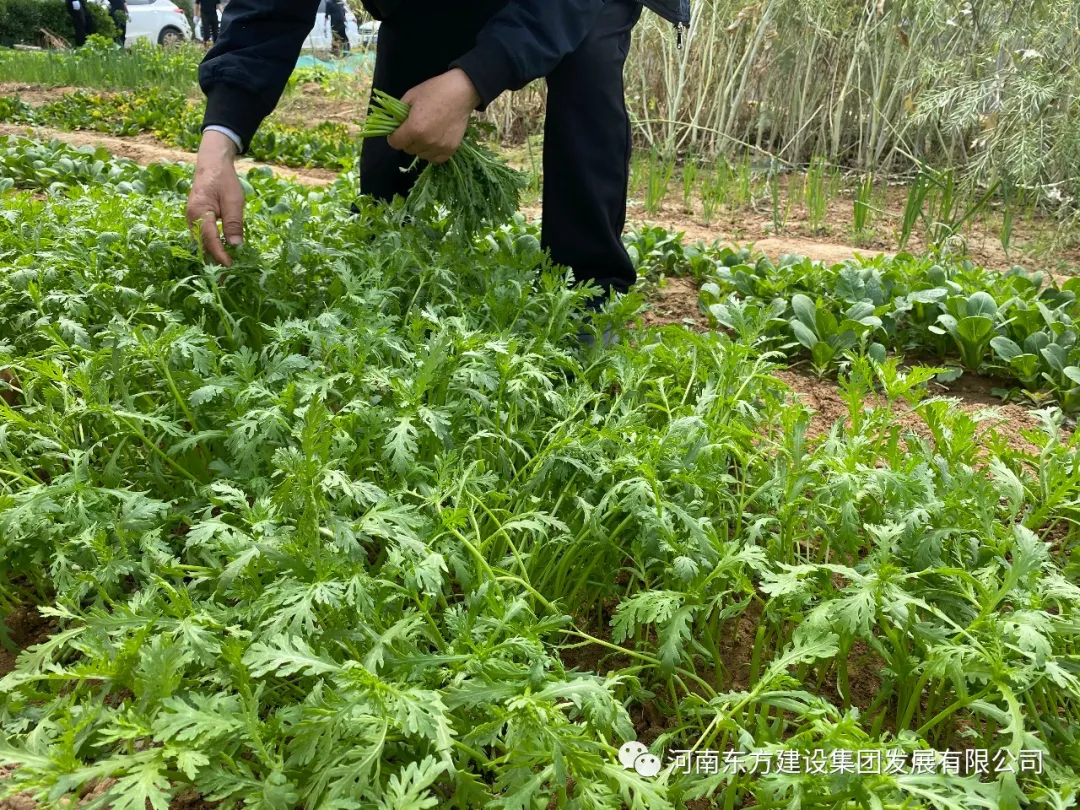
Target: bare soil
[(823, 397), (309, 104), (675, 302), (818, 250), (747, 227), (188, 799), (18, 802), (26, 627), (191, 799), (36, 94)]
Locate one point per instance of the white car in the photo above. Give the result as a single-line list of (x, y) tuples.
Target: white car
[(159, 21)]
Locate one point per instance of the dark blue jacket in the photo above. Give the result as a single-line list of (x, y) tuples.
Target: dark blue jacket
[(245, 73)]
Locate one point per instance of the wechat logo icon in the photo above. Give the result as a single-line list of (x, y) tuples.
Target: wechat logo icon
[(635, 755)]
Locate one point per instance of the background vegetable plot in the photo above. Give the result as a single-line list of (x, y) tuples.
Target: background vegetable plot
[(359, 524), (1019, 326), (174, 118)]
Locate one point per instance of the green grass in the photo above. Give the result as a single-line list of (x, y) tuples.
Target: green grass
[(863, 217), (106, 67), (661, 169)]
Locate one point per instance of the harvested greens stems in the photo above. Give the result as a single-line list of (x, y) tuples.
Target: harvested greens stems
[(474, 186)]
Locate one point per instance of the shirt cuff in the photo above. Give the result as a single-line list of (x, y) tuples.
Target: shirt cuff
[(232, 107), (230, 134)]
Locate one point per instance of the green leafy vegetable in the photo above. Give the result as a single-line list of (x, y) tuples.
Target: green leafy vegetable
[(475, 187)]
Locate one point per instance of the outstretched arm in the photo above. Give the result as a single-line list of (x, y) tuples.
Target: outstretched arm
[(245, 73), (243, 77)]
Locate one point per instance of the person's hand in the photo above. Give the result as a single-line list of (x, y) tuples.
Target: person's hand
[(438, 118), (216, 195)]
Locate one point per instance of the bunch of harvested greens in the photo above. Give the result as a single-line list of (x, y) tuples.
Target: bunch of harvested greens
[(475, 186)]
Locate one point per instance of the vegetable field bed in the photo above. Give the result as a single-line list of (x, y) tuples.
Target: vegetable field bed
[(172, 117), (980, 243), (145, 150), (361, 523), (303, 105), (820, 211)]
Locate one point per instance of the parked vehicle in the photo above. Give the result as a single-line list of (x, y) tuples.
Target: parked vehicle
[(159, 21)]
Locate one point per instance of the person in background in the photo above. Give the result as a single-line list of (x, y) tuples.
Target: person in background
[(335, 10), (447, 58), (208, 13), (118, 10), (81, 19)]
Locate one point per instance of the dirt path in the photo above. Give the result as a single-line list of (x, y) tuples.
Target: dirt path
[(821, 251), (37, 94), (827, 252), (145, 150)]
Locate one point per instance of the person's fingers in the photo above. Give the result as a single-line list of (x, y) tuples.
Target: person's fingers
[(403, 138), (232, 218), (437, 153), (193, 213), (211, 241)]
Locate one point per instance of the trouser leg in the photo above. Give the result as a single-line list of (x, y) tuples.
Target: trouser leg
[(338, 25), (587, 154), (120, 21), (78, 20), (208, 13), (413, 48)]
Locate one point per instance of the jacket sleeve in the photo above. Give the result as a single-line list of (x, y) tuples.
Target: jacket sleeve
[(526, 40), (245, 73)]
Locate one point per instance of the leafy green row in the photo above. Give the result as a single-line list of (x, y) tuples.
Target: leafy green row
[(25, 163), (176, 119), (1017, 325), (358, 524)]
